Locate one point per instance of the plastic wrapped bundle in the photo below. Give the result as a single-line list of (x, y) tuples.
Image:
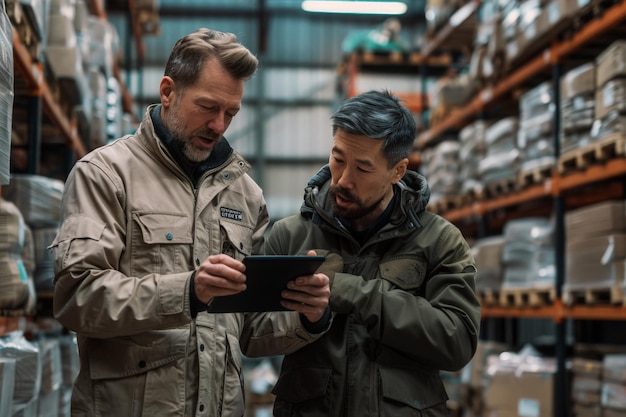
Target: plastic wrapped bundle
[(528, 254), (14, 291), (27, 368), (38, 197), (44, 263), (7, 384), (488, 255), (6, 93)]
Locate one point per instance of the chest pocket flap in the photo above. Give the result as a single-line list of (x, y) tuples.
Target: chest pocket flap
[(158, 227), (239, 236), (406, 273)]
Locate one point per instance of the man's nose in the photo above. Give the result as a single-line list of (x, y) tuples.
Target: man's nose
[(218, 124)]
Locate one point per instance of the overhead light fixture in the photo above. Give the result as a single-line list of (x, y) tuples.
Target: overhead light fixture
[(357, 7)]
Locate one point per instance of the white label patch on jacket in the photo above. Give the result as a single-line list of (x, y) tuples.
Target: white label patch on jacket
[(232, 214)]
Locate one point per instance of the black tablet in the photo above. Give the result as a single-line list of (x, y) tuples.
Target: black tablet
[(267, 277)]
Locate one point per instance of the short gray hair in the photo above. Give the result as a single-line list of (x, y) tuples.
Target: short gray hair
[(379, 115)]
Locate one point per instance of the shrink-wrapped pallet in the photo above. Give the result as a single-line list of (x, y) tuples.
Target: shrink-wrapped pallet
[(6, 93)]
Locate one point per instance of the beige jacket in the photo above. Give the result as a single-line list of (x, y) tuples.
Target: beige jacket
[(134, 229)]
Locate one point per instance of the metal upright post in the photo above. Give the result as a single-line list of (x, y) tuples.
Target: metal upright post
[(561, 393)]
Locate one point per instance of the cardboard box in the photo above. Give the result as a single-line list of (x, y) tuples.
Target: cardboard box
[(611, 97), (478, 377), (614, 368), (614, 395), (597, 262), (579, 81), (611, 63), (528, 394), (596, 219)]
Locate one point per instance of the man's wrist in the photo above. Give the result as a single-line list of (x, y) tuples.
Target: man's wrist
[(318, 326)]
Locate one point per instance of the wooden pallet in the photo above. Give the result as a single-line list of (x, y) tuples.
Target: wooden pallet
[(500, 188), (598, 152), (445, 203), (527, 297), (488, 296), (473, 195), (534, 176), (612, 294)]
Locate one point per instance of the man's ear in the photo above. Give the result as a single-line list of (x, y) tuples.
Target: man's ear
[(400, 169), (167, 90)]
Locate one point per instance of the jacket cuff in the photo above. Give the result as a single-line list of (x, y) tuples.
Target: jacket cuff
[(195, 305), (319, 326)]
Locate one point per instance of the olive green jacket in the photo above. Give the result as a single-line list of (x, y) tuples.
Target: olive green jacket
[(404, 308), (135, 227)]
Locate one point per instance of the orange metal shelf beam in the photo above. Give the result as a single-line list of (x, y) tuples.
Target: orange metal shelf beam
[(463, 213), (10, 324), (612, 168), (33, 75), (558, 312)]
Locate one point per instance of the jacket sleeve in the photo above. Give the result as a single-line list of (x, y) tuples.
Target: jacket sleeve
[(91, 296), (275, 333), (438, 327)]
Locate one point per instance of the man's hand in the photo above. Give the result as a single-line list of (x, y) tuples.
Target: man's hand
[(308, 295), (219, 275)]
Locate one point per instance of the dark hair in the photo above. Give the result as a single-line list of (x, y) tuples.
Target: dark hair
[(191, 52), (379, 115)]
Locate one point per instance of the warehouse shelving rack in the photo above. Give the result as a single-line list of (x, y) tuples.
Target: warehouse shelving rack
[(558, 191), (36, 104)]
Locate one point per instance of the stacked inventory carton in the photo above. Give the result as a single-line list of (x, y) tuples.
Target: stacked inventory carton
[(611, 80), (488, 255), (441, 167), (16, 264), (595, 252), (472, 150), (536, 124), (39, 200), (578, 89), (528, 254), (586, 387), (521, 384), (610, 107), (614, 385), (7, 383), (501, 161)]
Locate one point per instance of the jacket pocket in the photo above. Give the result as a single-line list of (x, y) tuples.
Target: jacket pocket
[(405, 273), (125, 356), (161, 242), (236, 239), (306, 389), (410, 392), (127, 374)]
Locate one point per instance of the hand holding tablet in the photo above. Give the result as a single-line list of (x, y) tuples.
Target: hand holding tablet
[(266, 278)]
